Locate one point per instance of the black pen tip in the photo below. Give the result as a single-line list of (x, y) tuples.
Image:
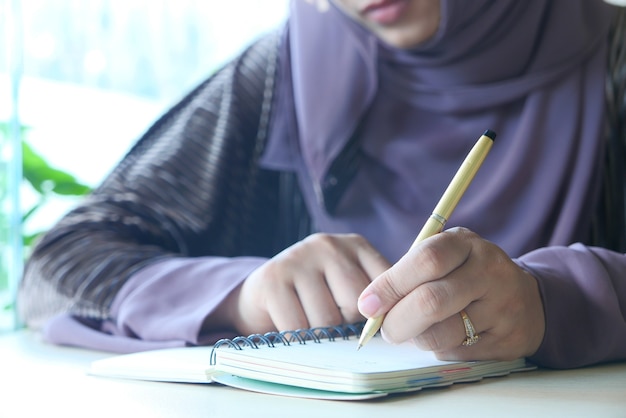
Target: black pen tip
[(491, 134)]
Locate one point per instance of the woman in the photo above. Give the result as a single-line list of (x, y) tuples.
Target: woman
[(350, 123)]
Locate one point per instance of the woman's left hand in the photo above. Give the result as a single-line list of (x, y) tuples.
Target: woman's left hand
[(423, 294)]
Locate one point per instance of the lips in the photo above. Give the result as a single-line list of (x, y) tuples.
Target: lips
[(385, 12)]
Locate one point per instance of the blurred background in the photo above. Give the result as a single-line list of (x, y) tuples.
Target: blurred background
[(80, 81)]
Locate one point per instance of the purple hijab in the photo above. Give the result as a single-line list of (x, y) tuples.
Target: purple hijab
[(533, 71)]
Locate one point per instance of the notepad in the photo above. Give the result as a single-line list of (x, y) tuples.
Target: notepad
[(320, 363)]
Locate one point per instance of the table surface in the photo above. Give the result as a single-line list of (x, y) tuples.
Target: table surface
[(38, 379)]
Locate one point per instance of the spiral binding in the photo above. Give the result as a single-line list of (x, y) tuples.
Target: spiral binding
[(271, 339)]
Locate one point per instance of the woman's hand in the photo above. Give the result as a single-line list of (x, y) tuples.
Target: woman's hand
[(423, 293), (315, 282)]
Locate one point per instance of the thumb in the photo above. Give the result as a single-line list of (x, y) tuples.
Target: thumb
[(380, 295), (433, 258)]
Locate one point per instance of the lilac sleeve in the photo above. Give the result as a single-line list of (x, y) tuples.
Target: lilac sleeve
[(584, 297), (162, 305)]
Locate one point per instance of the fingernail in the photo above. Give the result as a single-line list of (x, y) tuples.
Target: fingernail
[(369, 305)]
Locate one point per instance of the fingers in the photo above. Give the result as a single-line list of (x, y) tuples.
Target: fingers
[(451, 335), (316, 283), (285, 310), (497, 342), (431, 303), (320, 306), (421, 297), (313, 283), (508, 327), (447, 334), (434, 259), (348, 263), (351, 265)]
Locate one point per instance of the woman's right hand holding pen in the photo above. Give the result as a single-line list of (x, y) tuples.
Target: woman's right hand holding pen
[(424, 292)]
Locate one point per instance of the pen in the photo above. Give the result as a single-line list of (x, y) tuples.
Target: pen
[(442, 211)]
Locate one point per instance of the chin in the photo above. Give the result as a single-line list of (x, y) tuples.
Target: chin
[(401, 40)]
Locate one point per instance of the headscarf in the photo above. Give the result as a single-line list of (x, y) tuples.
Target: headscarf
[(533, 71)]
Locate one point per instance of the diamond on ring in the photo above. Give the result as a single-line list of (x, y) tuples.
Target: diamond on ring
[(470, 331)]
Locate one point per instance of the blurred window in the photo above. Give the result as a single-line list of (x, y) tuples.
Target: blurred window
[(84, 79)]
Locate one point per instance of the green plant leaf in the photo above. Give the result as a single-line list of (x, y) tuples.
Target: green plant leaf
[(44, 178), (28, 240), (33, 209)]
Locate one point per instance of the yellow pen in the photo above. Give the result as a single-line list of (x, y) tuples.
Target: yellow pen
[(442, 211)]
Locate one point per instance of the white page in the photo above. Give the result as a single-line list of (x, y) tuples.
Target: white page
[(184, 364)]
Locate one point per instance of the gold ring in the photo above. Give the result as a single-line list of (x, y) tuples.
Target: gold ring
[(470, 331)]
